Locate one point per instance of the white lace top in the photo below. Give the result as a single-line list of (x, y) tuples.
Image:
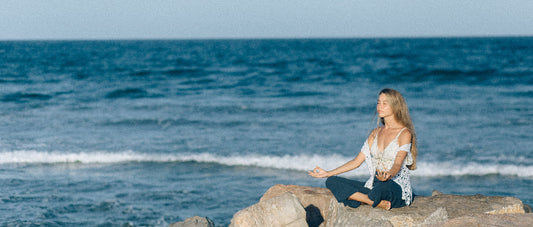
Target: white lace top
[(383, 161)]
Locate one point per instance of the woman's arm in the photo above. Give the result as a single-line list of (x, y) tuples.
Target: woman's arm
[(350, 165), (398, 161)]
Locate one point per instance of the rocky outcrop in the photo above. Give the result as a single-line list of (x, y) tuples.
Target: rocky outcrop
[(283, 210), (424, 211), (195, 221), (292, 205), (431, 210)]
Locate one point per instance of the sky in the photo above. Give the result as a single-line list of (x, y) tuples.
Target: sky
[(220, 19)]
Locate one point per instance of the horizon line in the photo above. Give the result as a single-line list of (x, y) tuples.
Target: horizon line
[(270, 38)]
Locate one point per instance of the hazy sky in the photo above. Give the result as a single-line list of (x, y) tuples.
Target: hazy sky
[(181, 19)]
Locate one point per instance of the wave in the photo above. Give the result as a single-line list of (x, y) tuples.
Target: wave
[(289, 162), (454, 73), (23, 97), (184, 72), (130, 93), (289, 94), (166, 123)]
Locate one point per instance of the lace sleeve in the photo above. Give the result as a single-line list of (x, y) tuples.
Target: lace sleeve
[(368, 159), (408, 158), (402, 178), (366, 149)]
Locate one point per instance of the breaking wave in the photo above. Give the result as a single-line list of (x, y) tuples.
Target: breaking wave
[(289, 162)]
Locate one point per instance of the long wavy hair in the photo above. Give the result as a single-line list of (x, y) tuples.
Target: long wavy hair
[(401, 113)]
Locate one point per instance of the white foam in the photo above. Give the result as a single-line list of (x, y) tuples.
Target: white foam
[(290, 162), (62, 157), (471, 168)]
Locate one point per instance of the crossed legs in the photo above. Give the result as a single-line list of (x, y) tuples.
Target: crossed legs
[(352, 193)]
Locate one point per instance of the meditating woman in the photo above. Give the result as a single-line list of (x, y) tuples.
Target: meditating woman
[(389, 152)]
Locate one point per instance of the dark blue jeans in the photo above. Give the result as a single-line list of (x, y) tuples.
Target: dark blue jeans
[(343, 188)]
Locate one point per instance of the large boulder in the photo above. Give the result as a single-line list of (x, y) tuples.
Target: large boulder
[(316, 201), (431, 210), (284, 210)]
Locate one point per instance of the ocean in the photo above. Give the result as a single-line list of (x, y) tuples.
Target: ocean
[(151, 132)]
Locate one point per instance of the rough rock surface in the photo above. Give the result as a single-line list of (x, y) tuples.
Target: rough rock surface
[(490, 220), (283, 210), (195, 221), (431, 210)]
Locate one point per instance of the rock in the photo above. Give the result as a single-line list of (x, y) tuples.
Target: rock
[(460, 205), (283, 210), (435, 192), (489, 220), (367, 216), (195, 221), (316, 201), (424, 211)]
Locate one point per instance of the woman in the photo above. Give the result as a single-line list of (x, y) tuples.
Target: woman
[(390, 151)]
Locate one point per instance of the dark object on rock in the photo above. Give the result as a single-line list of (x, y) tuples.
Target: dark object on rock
[(313, 216)]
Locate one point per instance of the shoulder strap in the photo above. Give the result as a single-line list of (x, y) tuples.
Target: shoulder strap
[(400, 133)]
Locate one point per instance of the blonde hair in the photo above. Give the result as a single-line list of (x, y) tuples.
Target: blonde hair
[(401, 113)]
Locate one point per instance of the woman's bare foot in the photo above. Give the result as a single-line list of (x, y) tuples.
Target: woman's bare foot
[(384, 204)]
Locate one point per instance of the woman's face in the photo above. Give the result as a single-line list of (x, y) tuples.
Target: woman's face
[(383, 107)]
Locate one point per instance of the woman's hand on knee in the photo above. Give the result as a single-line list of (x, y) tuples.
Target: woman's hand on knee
[(319, 173)]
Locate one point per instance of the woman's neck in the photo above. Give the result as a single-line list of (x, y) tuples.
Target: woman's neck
[(392, 123)]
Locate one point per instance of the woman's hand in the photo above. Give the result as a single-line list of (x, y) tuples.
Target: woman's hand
[(318, 173), (383, 175)]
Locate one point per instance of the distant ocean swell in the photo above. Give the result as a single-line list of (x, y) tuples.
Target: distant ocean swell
[(288, 162)]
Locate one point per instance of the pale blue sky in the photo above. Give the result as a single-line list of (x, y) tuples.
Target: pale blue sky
[(181, 19)]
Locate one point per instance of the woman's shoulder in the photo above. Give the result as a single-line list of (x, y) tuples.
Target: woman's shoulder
[(373, 134), (404, 137)]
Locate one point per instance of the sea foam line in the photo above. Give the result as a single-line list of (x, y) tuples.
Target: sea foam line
[(301, 162)]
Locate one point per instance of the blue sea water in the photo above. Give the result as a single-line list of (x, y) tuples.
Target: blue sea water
[(150, 132)]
